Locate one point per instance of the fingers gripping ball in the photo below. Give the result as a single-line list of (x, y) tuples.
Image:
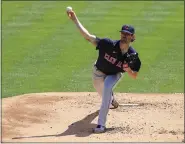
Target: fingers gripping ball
[(68, 10)]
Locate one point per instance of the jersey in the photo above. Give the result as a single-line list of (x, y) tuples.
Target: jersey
[(110, 59)]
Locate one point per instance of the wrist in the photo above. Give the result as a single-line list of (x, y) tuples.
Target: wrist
[(75, 20), (129, 70)]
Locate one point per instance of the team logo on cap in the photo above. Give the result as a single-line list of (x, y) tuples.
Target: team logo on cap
[(126, 27)]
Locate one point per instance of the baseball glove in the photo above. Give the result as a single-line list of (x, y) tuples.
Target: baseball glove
[(131, 59)]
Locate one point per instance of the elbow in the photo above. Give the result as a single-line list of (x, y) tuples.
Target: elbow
[(86, 35), (87, 38)]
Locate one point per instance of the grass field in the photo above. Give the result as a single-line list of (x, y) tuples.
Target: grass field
[(42, 51)]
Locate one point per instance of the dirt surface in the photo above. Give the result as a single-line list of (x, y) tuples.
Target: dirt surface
[(70, 117)]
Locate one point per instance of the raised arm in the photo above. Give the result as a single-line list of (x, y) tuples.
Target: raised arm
[(91, 38)]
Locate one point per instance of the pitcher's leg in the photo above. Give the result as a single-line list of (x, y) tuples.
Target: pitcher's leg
[(98, 80), (109, 83), (98, 83)]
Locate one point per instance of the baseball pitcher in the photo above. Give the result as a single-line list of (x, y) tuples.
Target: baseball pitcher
[(115, 58)]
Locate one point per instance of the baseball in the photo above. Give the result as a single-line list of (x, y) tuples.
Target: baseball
[(69, 9)]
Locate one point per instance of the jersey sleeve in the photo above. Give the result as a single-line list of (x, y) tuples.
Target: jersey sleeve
[(103, 43), (136, 66)]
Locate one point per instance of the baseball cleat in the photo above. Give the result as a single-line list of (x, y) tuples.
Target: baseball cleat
[(115, 104), (99, 129)]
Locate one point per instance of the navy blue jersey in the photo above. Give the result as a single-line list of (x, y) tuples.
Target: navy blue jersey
[(110, 60)]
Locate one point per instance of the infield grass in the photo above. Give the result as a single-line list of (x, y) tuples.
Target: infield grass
[(42, 51)]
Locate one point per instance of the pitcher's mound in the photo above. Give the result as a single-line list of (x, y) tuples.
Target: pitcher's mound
[(70, 117)]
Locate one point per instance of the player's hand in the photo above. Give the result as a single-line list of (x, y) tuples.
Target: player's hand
[(72, 15), (126, 67)]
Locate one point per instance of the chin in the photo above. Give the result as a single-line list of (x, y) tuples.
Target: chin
[(123, 41)]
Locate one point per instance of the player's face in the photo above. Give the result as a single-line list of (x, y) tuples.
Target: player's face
[(126, 37)]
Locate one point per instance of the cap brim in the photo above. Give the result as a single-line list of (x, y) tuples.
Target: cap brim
[(126, 31)]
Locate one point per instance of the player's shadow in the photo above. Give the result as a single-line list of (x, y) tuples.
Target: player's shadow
[(80, 128)]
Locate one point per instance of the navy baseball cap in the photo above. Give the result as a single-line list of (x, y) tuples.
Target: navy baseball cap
[(128, 29)]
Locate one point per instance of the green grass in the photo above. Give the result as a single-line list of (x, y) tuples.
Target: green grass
[(42, 51)]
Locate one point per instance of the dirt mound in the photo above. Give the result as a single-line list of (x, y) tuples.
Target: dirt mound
[(70, 117)]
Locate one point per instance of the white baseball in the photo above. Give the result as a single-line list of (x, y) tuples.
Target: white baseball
[(69, 9)]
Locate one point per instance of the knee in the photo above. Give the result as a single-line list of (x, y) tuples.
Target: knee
[(108, 87), (96, 84)]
